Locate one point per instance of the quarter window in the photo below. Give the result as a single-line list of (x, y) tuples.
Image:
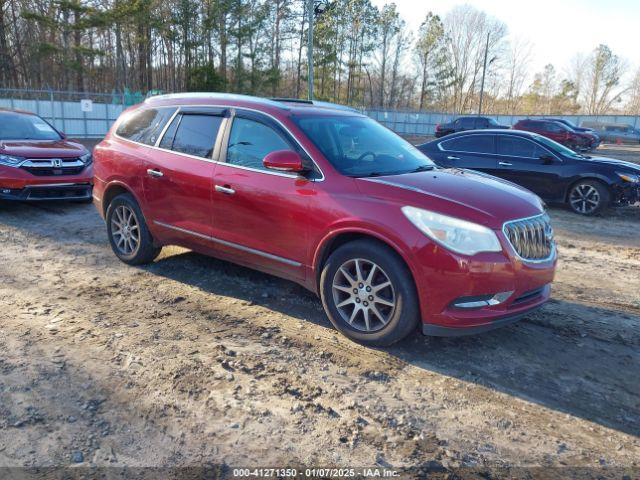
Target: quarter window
[(470, 143), (145, 126), (251, 141), (518, 147), (193, 134)]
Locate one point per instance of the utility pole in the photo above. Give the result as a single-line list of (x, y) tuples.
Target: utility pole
[(484, 71), (310, 12)]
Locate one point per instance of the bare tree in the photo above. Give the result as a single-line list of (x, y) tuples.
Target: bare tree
[(633, 105), (603, 73), (466, 32), (517, 65), (428, 44)]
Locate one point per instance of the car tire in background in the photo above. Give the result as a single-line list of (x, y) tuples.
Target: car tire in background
[(369, 294), (128, 233), (588, 197)]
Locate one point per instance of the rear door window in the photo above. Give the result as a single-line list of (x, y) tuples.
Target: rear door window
[(518, 147), (468, 123), (554, 127), (192, 134), (145, 126), (470, 144)]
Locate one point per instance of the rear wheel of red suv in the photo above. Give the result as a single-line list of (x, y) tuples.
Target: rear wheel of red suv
[(128, 234), (368, 293)]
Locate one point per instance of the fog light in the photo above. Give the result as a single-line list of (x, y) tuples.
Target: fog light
[(482, 300)]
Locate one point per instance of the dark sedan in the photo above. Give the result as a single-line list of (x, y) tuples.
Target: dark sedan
[(554, 172), (462, 124)]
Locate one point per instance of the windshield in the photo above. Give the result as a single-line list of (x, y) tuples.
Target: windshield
[(493, 122), (361, 147), (20, 126), (557, 147)]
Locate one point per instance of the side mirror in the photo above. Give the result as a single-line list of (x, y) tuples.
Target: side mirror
[(284, 161), (546, 159)]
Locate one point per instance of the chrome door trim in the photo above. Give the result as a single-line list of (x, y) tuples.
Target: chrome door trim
[(237, 246), (225, 190), (154, 173)]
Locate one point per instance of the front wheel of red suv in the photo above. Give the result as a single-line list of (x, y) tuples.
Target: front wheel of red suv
[(368, 293), (128, 233)]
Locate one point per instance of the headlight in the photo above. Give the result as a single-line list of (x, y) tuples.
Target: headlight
[(10, 160), (86, 159), (629, 177), (458, 235)]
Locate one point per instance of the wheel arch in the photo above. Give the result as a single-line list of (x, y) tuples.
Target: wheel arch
[(593, 177), (112, 190), (341, 237)]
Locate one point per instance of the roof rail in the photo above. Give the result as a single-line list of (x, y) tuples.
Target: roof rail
[(291, 100), (216, 96)]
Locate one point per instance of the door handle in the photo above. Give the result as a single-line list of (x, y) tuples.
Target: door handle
[(505, 164), (452, 157), (155, 173), (226, 189)]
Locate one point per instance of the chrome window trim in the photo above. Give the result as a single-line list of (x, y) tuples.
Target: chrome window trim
[(243, 248), (497, 154), (284, 127), (552, 252), (165, 128), (463, 136), (528, 140)]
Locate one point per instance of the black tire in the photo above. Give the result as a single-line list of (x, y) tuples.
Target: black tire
[(584, 193), (145, 251), (402, 318)]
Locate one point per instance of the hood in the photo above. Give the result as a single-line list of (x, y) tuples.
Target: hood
[(588, 135), (465, 194), (42, 148), (613, 162)]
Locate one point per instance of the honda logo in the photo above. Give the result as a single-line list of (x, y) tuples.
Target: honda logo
[(57, 162)]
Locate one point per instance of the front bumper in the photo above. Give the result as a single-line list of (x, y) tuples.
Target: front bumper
[(65, 191), (439, 331), (19, 184), (626, 194), (445, 281)]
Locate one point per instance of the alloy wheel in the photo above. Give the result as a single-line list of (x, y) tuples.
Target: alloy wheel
[(584, 198), (125, 230), (364, 295)]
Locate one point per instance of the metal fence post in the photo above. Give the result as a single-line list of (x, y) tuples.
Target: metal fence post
[(53, 108)]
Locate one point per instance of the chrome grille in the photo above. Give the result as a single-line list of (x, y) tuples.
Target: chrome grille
[(531, 238), (45, 167)]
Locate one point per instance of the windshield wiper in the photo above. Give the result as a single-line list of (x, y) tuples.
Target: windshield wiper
[(422, 168), (370, 174)]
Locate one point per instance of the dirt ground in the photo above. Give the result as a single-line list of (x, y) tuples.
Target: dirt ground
[(194, 362)]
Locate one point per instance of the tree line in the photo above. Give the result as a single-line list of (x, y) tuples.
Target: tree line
[(363, 55)]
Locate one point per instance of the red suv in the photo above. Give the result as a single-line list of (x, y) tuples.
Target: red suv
[(37, 162), (557, 131), (332, 200)]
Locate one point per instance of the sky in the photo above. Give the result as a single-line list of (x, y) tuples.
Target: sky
[(557, 29)]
